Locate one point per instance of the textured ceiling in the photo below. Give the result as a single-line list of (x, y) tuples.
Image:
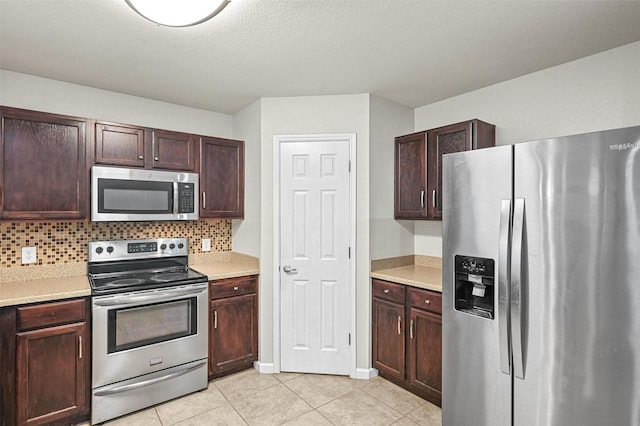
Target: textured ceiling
[(411, 52)]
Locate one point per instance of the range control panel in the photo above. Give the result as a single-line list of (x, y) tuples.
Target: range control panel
[(102, 251)]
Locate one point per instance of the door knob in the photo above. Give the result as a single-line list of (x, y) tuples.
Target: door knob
[(288, 269)]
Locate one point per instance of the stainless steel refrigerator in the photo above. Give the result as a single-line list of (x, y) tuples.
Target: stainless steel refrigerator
[(541, 283)]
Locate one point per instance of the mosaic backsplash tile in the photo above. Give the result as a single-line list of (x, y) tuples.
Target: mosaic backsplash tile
[(66, 242)]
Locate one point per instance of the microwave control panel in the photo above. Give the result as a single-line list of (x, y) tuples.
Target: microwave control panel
[(186, 197)]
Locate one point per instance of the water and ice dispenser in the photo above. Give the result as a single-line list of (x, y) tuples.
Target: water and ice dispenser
[(474, 286)]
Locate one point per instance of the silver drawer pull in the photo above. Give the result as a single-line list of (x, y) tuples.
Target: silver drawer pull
[(428, 302), (235, 288), (386, 291)]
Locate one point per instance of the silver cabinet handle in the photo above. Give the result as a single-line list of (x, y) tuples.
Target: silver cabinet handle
[(411, 326), (427, 301), (79, 347), (288, 269), (422, 199), (386, 291), (156, 159), (399, 320), (433, 198), (235, 288), (140, 157), (204, 200), (215, 319)]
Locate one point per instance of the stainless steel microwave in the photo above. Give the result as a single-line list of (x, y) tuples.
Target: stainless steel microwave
[(120, 194)]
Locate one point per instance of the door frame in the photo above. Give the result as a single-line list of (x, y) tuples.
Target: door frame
[(278, 140)]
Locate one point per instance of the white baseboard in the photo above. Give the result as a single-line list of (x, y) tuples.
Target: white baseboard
[(366, 373), (264, 367)]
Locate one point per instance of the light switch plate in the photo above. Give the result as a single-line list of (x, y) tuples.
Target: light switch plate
[(206, 244), (29, 255)]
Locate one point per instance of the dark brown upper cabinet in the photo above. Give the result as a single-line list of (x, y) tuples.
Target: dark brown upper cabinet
[(418, 165), (221, 178), (132, 146), (410, 176), (174, 150), (119, 145), (43, 166), (465, 136)]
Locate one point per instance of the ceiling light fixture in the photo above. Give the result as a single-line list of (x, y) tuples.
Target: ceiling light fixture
[(178, 13)]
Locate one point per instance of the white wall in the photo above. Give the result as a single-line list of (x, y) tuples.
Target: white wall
[(389, 237), (245, 233), (594, 93), (42, 94), (315, 115)]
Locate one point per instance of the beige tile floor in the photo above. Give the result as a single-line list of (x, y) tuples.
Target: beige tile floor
[(250, 398)]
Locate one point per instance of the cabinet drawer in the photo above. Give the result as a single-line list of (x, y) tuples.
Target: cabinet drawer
[(232, 287), (50, 314), (425, 299), (388, 291)]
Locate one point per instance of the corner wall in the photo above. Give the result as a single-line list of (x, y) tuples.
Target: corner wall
[(598, 92), (315, 115), (388, 237)]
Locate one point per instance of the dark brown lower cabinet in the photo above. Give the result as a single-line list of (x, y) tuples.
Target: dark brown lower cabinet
[(45, 357), (407, 337), (233, 327)]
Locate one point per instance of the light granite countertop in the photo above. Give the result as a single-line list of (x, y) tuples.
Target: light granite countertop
[(417, 271), (56, 282)]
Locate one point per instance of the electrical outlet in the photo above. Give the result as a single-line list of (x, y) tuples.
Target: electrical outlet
[(206, 244), (29, 255)]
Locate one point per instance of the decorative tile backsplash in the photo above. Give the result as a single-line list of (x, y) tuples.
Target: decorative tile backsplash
[(66, 242)]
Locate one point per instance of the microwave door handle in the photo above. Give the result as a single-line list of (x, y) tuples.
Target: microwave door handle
[(175, 197)]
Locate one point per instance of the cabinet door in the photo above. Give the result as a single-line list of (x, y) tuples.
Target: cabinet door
[(43, 166), (119, 145), (174, 151), (389, 338), (222, 178), (425, 353), (233, 333), (441, 141), (410, 179), (51, 380)]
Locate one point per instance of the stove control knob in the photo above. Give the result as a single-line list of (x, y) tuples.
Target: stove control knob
[(172, 246), (180, 245), (163, 246), (110, 249), (99, 250)]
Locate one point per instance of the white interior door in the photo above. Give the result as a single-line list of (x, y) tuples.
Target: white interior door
[(314, 256)]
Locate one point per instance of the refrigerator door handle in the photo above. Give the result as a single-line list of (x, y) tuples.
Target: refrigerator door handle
[(504, 269), (516, 287)]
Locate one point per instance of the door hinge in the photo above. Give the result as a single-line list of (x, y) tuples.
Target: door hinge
[(349, 252), (349, 166), (349, 339)]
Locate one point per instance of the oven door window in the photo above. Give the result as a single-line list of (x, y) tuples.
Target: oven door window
[(149, 324), (134, 196)]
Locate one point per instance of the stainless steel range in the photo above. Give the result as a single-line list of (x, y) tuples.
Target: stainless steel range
[(149, 325)]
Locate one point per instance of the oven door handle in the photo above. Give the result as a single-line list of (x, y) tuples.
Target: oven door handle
[(124, 301), (149, 382)]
